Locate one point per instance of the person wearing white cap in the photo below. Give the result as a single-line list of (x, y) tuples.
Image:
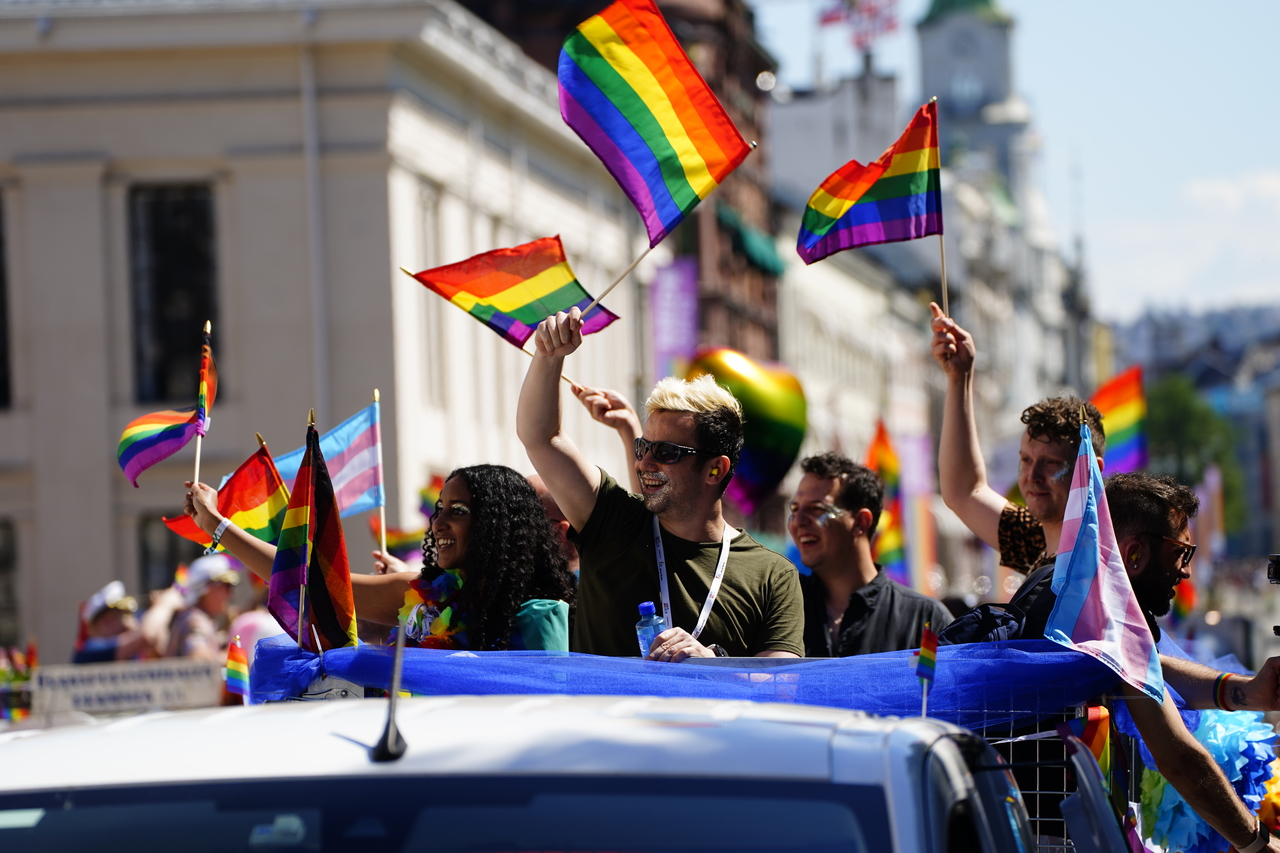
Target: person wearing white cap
[(208, 592), (108, 629)]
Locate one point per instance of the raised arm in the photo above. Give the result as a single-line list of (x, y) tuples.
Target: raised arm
[(614, 410), (571, 480), (961, 471)]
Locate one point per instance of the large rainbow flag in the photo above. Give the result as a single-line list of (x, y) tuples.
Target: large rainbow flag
[(898, 197), (513, 290), (889, 549), (1124, 416), (157, 436), (312, 549), (254, 498), (628, 89), (1096, 611)]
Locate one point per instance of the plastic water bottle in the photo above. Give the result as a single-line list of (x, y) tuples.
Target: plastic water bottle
[(649, 626)]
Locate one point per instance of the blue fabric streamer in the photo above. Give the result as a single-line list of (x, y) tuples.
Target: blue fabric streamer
[(978, 685)]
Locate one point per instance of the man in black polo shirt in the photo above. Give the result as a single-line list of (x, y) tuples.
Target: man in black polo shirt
[(851, 607)]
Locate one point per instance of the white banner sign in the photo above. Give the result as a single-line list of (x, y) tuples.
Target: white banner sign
[(103, 688)]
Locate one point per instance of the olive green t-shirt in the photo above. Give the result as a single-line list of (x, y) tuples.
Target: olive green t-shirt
[(759, 606)]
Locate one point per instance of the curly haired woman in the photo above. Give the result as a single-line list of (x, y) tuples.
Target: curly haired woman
[(494, 574)]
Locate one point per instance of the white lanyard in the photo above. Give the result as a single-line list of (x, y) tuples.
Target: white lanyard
[(715, 582)]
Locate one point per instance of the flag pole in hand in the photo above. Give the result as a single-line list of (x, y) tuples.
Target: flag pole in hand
[(382, 507)]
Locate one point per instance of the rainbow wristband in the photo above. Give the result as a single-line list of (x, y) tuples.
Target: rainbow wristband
[(1220, 691)]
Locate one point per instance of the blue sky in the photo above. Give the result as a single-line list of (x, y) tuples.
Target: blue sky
[(1165, 110)]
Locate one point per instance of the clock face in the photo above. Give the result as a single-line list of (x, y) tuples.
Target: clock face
[(966, 88)]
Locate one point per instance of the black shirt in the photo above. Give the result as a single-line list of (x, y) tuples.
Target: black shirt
[(1036, 599), (883, 616)]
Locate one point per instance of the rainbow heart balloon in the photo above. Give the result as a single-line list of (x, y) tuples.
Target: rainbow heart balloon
[(774, 407)]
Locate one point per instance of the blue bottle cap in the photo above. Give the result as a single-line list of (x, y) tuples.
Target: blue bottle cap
[(647, 608)]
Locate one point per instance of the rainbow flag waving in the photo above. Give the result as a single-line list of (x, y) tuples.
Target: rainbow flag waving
[(888, 549), (254, 497), (1124, 416), (404, 544), (898, 197), (311, 579), (1096, 611), (156, 436), (628, 89), (237, 671), (927, 657), (513, 290)]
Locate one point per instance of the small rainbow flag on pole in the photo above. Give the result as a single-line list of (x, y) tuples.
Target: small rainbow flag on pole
[(403, 544), (254, 498), (898, 197), (1124, 416), (237, 671), (1094, 730), (628, 89), (156, 436), (513, 290), (429, 494), (926, 665), (889, 548)]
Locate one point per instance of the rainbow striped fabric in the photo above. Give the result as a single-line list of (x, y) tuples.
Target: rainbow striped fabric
[(1124, 416), (898, 197), (1094, 731), (1096, 611), (889, 547), (513, 290), (628, 89), (351, 453), (254, 497), (156, 436), (404, 544), (927, 657), (430, 494), (237, 671), (312, 551)]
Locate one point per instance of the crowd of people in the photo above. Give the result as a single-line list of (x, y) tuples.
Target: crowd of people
[(561, 560)]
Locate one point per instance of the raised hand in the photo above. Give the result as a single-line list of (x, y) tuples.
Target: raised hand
[(953, 347), (608, 407), (560, 334), (202, 505)]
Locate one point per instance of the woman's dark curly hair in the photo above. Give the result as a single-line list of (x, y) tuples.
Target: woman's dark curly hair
[(513, 555)]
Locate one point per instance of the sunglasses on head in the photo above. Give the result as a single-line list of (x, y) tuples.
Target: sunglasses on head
[(664, 452)]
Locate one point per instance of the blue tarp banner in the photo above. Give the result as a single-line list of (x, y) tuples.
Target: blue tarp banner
[(978, 685)]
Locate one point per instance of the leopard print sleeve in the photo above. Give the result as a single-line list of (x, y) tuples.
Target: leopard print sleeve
[(1022, 544)]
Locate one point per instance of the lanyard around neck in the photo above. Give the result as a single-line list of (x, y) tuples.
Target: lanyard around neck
[(715, 582)]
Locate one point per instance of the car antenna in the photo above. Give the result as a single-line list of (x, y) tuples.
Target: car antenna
[(391, 746)]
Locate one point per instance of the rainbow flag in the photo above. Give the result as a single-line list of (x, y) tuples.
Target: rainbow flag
[(1124, 416), (400, 543), (312, 551), (513, 290), (1184, 602), (254, 497), (889, 548), (1096, 611), (430, 494), (927, 657), (155, 437), (628, 89), (898, 197), (1094, 731), (237, 671)]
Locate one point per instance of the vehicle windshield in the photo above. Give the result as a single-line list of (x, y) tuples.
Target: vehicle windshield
[(471, 814)]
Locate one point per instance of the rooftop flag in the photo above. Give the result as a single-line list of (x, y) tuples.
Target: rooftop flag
[(351, 449), (312, 551), (889, 547), (628, 89), (513, 290), (1124, 416), (156, 436), (1096, 611), (898, 197), (254, 498), (237, 670)]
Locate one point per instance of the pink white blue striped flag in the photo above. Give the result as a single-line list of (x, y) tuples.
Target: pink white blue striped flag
[(1096, 611), (351, 452)]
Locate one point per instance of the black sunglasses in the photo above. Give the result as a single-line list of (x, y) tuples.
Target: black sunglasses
[(1188, 550), (664, 452)]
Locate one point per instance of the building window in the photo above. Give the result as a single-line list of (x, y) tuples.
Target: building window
[(8, 586), (433, 307), (173, 269), (5, 386), (160, 550)]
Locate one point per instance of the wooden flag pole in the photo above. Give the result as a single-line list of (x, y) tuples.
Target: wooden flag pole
[(382, 507), (942, 254), (306, 568), (195, 477)]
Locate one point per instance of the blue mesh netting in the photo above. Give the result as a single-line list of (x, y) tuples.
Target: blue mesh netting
[(977, 686)]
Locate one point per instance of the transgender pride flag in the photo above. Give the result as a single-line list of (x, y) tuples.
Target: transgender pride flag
[(1096, 611), (351, 451)]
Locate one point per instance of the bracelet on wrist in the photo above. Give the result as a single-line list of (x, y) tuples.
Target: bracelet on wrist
[(1220, 692), (1259, 842), (217, 536)]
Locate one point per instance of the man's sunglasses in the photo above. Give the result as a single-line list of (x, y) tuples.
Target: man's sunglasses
[(664, 452), (1188, 551)]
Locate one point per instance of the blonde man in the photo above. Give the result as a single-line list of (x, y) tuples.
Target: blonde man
[(684, 461)]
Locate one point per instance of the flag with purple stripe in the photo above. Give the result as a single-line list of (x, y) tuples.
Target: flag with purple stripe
[(351, 451), (1096, 611)]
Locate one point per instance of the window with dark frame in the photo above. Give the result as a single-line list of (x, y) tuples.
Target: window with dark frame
[(160, 550), (9, 616), (173, 269)]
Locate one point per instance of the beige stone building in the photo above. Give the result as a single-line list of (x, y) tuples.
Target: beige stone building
[(269, 166)]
